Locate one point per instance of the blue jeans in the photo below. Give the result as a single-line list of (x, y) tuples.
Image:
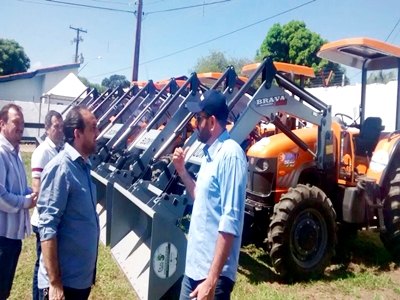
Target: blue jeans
[(69, 293), (9, 253), (222, 291), (35, 290)]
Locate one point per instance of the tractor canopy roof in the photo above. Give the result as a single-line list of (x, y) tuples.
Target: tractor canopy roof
[(296, 70), (209, 78), (362, 53)]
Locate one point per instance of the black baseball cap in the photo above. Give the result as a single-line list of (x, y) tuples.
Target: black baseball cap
[(213, 103)]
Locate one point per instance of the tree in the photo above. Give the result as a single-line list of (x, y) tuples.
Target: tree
[(381, 77), (294, 43), (217, 62), (115, 80), (91, 85), (13, 58)]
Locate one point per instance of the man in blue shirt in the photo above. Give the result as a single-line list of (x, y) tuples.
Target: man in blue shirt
[(68, 222), (219, 196)]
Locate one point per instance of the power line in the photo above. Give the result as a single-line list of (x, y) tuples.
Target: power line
[(186, 7), (127, 11), (110, 1), (92, 6), (211, 40), (228, 33), (41, 3), (394, 27)]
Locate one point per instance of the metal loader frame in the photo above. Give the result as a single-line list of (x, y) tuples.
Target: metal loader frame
[(146, 229), (103, 173)]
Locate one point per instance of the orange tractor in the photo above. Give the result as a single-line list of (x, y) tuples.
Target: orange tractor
[(307, 185)]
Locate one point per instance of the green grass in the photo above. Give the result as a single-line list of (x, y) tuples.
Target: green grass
[(110, 282), (370, 274)]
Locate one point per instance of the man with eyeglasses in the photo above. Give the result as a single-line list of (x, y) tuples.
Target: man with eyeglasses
[(219, 196)]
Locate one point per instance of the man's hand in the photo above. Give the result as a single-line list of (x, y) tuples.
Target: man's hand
[(204, 291), (34, 198), (56, 292), (178, 159)]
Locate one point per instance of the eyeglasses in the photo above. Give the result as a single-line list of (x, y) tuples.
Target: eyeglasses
[(199, 117)]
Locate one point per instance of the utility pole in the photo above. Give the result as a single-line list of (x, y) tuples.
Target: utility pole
[(77, 40), (139, 12)]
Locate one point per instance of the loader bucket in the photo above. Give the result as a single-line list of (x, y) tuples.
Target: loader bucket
[(103, 179), (145, 223), (147, 243), (139, 219), (104, 189)]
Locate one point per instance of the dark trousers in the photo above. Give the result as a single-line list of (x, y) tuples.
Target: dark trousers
[(9, 253), (222, 291), (35, 289), (69, 293)]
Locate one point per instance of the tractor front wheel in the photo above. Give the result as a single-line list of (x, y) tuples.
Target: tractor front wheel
[(391, 238), (302, 233)]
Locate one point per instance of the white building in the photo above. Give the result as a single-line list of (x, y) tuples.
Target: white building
[(38, 91)]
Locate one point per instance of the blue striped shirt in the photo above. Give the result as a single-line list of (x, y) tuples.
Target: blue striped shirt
[(218, 207), (67, 212), (14, 193)]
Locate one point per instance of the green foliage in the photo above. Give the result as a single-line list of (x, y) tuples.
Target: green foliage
[(294, 43), (115, 80), (217, 62), (381, 77), (13, 58), (91, 85)]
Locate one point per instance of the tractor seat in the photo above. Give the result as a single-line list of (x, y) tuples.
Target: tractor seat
[(369, 136)]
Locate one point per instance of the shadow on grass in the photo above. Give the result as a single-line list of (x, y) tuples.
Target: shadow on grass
[(256, 265), (365, 253), (367, 249)]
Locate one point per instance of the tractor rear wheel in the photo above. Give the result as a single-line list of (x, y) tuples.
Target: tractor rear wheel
[(302, 233), (391, 238)]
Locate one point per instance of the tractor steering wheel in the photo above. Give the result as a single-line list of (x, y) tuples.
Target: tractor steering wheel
[(342, 118)]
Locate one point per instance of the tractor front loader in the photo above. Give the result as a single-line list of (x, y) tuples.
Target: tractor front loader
[(115, 149), (306, 184), (145, 238)]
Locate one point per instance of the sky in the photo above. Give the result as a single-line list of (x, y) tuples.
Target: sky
[(173, 41)]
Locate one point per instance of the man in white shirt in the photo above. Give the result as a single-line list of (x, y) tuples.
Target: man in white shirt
[(15, 196), (41, 156)]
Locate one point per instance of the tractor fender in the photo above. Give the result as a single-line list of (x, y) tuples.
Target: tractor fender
[(303, 173)]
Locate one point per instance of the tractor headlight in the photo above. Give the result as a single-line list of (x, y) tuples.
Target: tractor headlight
[(262, 165)]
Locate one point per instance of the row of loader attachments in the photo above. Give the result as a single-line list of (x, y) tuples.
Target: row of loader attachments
[(100, 98), (146, 242), (129, 110), (102, 110), (164, 196), (103, 174), (119, 105), (102, 104), (85, 96), (139, 216), (115, 137)]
